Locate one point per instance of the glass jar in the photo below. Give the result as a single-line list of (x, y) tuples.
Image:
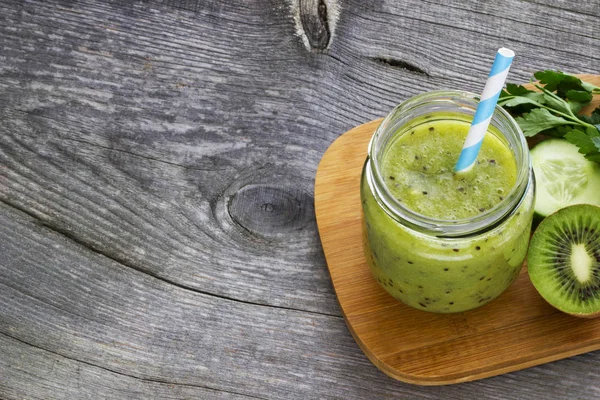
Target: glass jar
[(436, 264)]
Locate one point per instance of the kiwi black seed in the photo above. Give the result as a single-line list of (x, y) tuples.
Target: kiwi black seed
[(562, 260)]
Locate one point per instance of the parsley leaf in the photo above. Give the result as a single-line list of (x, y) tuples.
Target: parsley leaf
[(518, 90), (538, 120), (561, 83), (593, 119), (554, 109), (588, 146), (513, 101), (579, 95), (581, 140), (577, 99), (557, 103)]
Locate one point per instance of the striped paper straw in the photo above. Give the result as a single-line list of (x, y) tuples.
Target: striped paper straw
[(485, 109)]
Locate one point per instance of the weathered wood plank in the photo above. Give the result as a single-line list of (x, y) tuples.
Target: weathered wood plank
[(136, 136), (29, 372), (166, 152), (75, 319), (167, 214), (92, 309)]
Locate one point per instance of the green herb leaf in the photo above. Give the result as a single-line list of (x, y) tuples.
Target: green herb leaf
[(579, 95), (575, 106), (514, 101), (577, 99), (592, 131), (516, 95), (589, 87), (552, 79), (538, 120), (593, 119), (554, 110), (561, 83), (549, 78), (517, 90), (586, 144), (558, 131), (557, 103), (593, 157)]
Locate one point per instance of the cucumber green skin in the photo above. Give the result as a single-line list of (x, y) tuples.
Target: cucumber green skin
[(562, 149)]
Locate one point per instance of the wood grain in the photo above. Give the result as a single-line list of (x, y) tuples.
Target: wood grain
[(147, 331), (169, 147), (515, 331), (134, 140), (52, 376), (134, 336)]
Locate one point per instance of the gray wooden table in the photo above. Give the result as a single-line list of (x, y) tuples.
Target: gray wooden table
[(157, 162)]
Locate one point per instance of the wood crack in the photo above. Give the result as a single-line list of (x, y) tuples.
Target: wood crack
[(116, 258), (392, 62), (125, 374)]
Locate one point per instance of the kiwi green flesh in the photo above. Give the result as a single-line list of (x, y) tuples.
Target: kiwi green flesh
[(564, 260)]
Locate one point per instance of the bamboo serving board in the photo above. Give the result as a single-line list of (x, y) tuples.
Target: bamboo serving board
[(515, 331)]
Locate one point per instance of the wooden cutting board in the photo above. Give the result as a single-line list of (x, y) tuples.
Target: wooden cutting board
[(515, 331)]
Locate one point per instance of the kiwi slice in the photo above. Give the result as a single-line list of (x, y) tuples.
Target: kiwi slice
[(564, 260)]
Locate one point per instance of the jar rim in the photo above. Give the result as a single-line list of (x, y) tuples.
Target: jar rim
[(465, 103)]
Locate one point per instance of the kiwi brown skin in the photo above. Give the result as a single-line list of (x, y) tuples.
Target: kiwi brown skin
[(538, 237), (590, 316)]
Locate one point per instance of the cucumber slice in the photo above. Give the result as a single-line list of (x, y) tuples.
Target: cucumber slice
[(563, 177)]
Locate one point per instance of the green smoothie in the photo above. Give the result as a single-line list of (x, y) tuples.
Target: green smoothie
[(445, 274), (419, 171)]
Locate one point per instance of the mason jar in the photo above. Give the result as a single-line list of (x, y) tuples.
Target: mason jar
[(444, 263)]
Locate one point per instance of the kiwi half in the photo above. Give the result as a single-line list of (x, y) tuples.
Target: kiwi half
[(564, 260)]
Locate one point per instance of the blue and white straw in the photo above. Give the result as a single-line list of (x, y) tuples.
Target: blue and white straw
[(485, 109)]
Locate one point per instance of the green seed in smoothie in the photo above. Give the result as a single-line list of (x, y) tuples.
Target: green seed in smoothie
[(420, 172), (444, 274)]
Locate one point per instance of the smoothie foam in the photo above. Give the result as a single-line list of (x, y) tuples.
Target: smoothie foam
[(418, 169)]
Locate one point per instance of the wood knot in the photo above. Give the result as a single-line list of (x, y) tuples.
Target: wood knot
[(313, 14), (270, 211), (315, 22)]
